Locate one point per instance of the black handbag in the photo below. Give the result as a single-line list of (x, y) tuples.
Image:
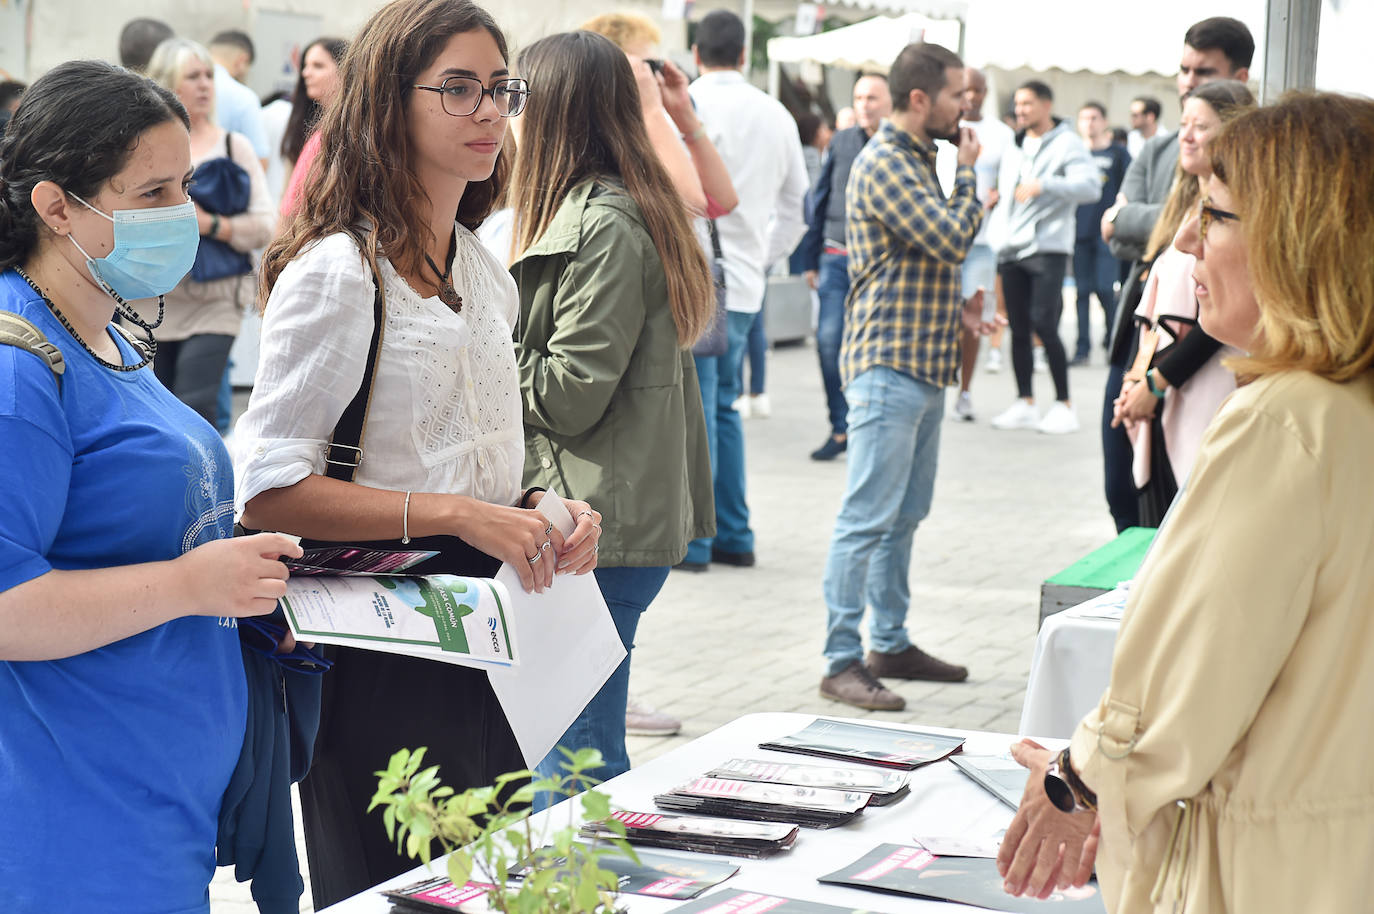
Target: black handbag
[(344, 453), (715, 341), (222, 187)]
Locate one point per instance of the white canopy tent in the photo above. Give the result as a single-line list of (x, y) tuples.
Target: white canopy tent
[(869, 45)]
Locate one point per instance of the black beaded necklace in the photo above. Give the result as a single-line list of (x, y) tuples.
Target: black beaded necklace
[(447, 294), (148, 349)]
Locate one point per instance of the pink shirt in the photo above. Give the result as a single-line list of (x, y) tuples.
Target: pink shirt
[(309, 151)]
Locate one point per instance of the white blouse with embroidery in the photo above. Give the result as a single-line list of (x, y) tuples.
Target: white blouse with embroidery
[(445, 413)]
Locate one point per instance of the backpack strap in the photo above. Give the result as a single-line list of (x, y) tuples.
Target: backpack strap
[(345, 449), (18, 332)]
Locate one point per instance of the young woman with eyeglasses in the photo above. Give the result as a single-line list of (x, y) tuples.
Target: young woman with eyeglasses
[(410, 163), (122, 690), (614, 288)]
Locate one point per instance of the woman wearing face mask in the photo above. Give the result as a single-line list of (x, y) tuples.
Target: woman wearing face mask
[(441, 445), (122, 694), (203, 317), (316, 87), (614, 289), (1179, 378)]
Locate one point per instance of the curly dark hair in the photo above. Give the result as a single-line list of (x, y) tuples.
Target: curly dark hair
[(76, 126)]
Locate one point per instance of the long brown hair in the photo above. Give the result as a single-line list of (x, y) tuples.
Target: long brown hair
[(583, 122), (1301, 177), (1229, 99), (362, 181)]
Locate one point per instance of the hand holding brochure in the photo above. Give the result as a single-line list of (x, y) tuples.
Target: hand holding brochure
[(442, 617)]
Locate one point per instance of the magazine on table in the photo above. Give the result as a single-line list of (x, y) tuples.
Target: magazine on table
[(436, 895), (907, 870), (1000, 775), (700, 834), (658, 875), (884, 786), (745, 902), (812, 806), (887, 746)]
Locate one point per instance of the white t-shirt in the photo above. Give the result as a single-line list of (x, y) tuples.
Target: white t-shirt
[(445, 413), (994, 137)]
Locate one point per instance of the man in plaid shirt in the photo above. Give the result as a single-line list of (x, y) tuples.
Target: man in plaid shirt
[(904, 316)]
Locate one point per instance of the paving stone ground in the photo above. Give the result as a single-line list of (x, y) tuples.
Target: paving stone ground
[(1010, 509)]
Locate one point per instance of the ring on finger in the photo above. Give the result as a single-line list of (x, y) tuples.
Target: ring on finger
[(548, 544), (548, 530), (587, 514), (533, 559)]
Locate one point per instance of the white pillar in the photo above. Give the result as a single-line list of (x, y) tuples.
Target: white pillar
[(1290, 47)]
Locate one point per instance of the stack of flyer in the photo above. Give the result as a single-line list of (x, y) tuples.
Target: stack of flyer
[(883, 787), (814, 807), (887, 746), (730, 837)]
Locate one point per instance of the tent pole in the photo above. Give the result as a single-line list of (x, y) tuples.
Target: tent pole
[(748, 36), (1290, 47)]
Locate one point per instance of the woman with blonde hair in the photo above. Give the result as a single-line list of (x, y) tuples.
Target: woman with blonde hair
[(613, 290), (205, 310), (1227, 766), (1178, 380), (387, 402)]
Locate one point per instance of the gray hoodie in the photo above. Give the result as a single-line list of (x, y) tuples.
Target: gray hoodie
[(1047, 223)]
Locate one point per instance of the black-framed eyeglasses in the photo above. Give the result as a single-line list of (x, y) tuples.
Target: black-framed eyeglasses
[(1207, 214), (462, 95)]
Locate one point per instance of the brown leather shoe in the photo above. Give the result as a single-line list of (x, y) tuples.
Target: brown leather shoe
[(855, 685), (914, 663)]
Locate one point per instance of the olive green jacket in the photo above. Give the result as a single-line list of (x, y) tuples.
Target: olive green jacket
[(613, 414)]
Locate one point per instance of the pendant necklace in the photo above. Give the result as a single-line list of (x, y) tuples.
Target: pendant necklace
[(447, 294), (146, 350)]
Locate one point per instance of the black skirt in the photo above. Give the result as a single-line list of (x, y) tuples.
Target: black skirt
[(373, 704)]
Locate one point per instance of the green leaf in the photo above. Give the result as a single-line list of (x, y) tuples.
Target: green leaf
[(459, 867), (389, 820), (596, 805)]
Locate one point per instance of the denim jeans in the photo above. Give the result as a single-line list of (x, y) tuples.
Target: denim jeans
[(726, 438), (894, 442), (833, 286), (756, 357), (1094, 272), (601, 725)]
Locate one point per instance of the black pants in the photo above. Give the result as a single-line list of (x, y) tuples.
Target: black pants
[(193, 368), (1117, 456), (1034, 292), (374, 704)]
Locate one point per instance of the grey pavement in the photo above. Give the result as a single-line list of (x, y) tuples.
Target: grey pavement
[(1010, 509)]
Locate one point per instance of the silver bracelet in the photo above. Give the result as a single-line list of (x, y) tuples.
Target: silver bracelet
[(405, 521)]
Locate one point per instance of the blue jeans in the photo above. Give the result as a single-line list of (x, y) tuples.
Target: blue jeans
[(601, 725), (894, 442), (756, 350), (1094, 271), (833, 286), (726, 438)]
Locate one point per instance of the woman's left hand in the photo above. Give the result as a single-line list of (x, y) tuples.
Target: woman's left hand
[(1045, 848), (580, 548)]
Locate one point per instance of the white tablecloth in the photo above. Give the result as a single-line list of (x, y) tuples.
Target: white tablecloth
[(943, 802), (1071, 666)]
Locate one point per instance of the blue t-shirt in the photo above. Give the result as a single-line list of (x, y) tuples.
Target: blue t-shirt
[(1111, 166), (112, 762)]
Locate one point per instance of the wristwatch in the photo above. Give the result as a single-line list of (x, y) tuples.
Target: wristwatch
[(1065, 790)]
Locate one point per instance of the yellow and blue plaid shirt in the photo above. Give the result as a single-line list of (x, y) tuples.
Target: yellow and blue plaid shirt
[(906, 244)]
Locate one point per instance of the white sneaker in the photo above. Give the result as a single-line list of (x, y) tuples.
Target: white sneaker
[(741, 406), (1038, 363), (642, 719), (963, 407), (759, 407), (1019, 415), (1060, 420), (993, 365)]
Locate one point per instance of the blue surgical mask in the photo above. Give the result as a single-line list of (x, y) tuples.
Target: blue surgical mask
[(154, 249)]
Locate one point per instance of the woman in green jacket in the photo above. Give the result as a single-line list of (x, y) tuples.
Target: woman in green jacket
[(614, 289)]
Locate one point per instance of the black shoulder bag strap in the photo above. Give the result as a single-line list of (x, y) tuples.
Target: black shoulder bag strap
[(345, 449)]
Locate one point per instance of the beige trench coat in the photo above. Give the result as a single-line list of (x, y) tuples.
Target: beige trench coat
[(1233, 752)]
